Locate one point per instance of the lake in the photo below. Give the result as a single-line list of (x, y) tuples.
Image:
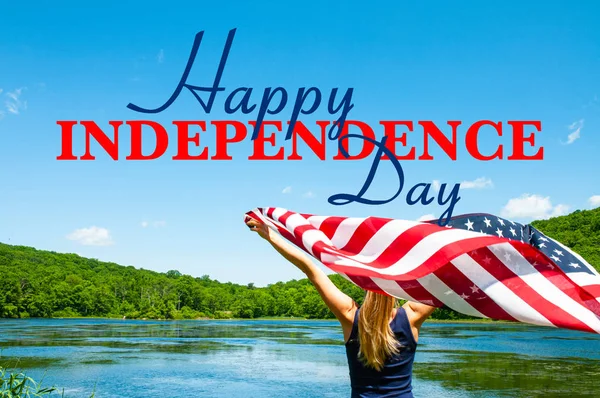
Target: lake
[(288, 358)]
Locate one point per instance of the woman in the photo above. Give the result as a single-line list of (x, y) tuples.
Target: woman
[(380, 339)]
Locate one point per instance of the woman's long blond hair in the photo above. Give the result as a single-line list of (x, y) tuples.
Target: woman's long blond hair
[(377, 341)]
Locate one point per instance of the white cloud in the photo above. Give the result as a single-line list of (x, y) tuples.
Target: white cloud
[(426, 217), (155, 224), (478, 183), (160, 57), (436, 184), (560, 210), (594, 201), (14, 104), (287, 190), (575, 129), (532, 206), (92, 236), (309, 194)]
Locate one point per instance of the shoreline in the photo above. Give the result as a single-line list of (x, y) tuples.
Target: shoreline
[(466, 321)]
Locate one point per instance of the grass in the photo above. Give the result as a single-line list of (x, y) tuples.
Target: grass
[(19, 385), (16, 384)]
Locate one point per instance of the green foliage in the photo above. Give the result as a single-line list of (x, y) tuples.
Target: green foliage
[(19, 385), (579, 231), (37, 283)]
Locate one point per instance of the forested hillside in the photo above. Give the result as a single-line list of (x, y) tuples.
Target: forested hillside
[(579, 231), (35, 283)]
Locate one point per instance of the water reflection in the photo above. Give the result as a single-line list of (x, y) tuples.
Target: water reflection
[(290, 358), (514, 375)]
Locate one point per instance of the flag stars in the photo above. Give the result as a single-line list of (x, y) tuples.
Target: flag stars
[(553, 257), (543, 239), (574, 265), (559, 252), (507, 257), (469, 225), (542, 245), (474, 289), (499, 232), (487, 260), (487, 222), (513, 232), (464, 296), (501, 221)]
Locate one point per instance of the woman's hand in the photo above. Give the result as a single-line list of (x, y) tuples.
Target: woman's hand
[(260, 228)]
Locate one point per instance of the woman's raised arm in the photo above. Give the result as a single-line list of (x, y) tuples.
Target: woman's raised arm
[(342, 306)]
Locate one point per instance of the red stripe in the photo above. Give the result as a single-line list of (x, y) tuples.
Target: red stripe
[(330, 225), (438, 264), (439, 259), (558, 278), (419, 293), (464, 287), (547, 309), (283, 218), (404, 243), (367, 284), (363, 233), (593, 290), (318, 249)]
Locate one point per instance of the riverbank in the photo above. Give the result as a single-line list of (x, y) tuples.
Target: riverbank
[(479, 320), (290, 358)]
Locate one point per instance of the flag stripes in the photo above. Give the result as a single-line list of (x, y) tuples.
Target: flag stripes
[(482, 265)]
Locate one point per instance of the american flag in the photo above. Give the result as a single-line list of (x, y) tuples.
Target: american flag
[(478, 264)]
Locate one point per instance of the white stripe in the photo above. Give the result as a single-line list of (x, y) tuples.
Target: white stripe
[(420, 253), (392, 288), (278, 212), (498, 292), (384, 237), (583, 278), (268, 221), (520, 266), (294, 221), (309, 237), (345, 231), (312, 236), (442, 292), (316, 221)]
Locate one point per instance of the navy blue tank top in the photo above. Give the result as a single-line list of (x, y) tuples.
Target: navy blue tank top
[(395, 379)]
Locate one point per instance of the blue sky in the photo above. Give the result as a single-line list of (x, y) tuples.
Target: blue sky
[(466, 61)]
